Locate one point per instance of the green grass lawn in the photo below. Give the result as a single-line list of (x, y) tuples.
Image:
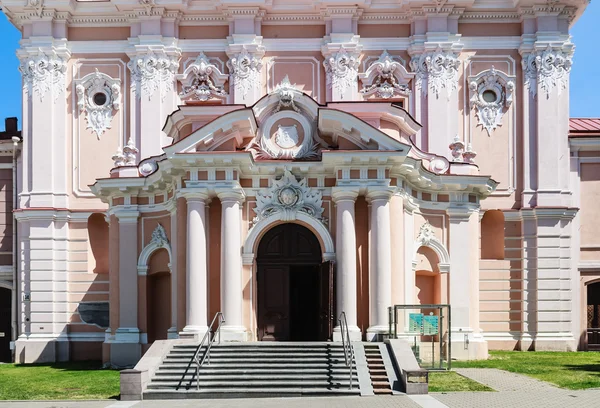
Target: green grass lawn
[(447, 381), (85, 380), (574, 371)]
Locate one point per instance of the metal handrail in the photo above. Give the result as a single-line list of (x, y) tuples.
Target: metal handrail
[(210, 335), (348, 351)]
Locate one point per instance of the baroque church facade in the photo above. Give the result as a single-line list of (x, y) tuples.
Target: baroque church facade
[(284, 161)]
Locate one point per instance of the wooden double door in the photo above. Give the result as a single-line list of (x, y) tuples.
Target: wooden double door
[(295, 288)]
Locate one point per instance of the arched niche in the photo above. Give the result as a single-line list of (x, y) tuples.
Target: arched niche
[(98, 239), (492, 235)]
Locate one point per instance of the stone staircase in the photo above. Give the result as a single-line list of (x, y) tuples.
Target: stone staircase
[(255, 370), (379, 377)]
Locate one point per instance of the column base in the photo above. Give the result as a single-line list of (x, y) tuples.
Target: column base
[(353, 331), (377, 333), (195, 333), (172, 333), (554, 342), (125, 347), (234, 333)]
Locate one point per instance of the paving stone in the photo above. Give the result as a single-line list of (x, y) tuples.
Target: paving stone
[(501, 380)]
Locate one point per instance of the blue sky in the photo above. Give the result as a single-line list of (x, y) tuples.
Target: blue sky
[(585, 75)]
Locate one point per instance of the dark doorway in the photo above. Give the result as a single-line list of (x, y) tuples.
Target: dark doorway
[(593, 316), (5, 325), (295, 288)]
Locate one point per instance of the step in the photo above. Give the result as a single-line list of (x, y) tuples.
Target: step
[(263, 377), (243, 361), (210, 369), (246, 392), (259, 365), (255, 384), (262, 354)]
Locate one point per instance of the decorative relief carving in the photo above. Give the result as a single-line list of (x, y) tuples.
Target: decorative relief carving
[(286, 91), (42, 73), (550, 68), (159, 236), (457, 148), (293, 137), (426, 234), (288, 196), (342, 70), (37, 5), (127, 155), (98, 95), (245, 71), (491, 93), (382, 76), (202, 80), (439, 68), (153, 71)]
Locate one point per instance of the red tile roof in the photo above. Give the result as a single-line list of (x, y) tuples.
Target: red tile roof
[(580, 127)]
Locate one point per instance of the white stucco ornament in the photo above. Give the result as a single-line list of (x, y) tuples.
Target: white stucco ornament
[(549, 68), (426, 234), (245, 71), (286, 197), (491, 94), (342, 70), (98, 96), (382, 77), (43, 72), (159, 236), (202, 80), (286, 92), (439, 68), (153, 71)]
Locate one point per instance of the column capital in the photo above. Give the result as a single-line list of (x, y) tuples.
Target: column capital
[(229, 195), (127, 216), (194, 194), (378, 193), (461, 213), (339, 194)]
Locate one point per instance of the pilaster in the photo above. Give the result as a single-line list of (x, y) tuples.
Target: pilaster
[(341, 68), (43, 66), (154, 61), (125, 349), (436, 64), (467, 340), (245, 69), (546, 61)]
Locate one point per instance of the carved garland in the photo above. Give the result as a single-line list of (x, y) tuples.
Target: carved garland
[(98, 95), (153, 71), (491, 93), (288, 196), (549, 68), (342, 70), (42, 73), (439, 68)]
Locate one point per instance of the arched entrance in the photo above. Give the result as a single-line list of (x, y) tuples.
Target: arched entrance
[(294, 286)]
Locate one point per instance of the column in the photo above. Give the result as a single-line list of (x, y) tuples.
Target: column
[(196, 272), (467, 341), (126, 349), (231, 265), (380, 263), (345, 247)]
